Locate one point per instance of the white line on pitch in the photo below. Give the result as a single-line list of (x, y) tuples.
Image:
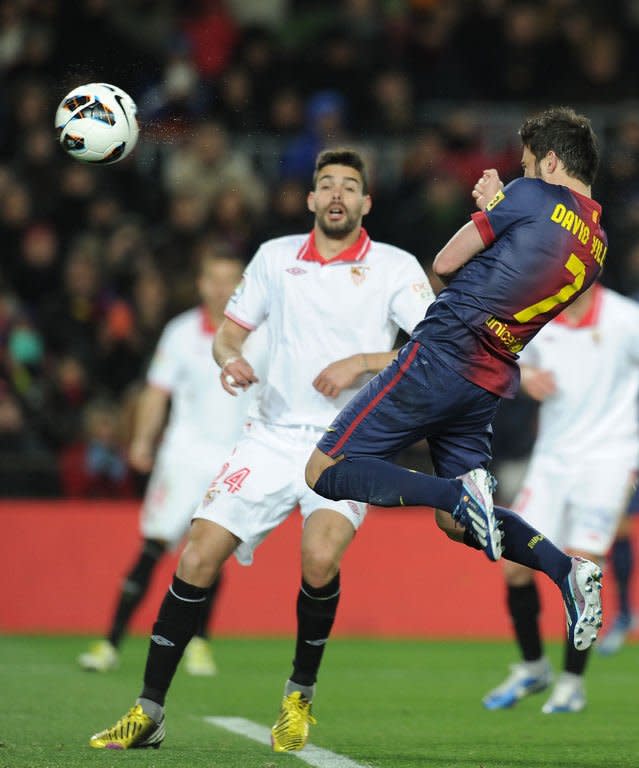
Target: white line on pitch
[(316, 756)]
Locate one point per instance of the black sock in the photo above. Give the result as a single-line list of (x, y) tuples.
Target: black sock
[(523, 606), (316, 609), (622, 564), (134, 588), (525, 545), (574, 660), (177, 621), (207, 608)]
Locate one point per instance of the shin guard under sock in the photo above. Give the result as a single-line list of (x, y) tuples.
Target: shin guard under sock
[(316, 609), (177, 621), (523, 606), (525, 545), (207, 608)]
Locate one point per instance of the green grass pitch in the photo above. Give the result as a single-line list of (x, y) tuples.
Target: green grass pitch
[(383, 704)]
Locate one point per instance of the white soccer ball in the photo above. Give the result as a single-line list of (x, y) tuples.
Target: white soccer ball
[(96, 123)]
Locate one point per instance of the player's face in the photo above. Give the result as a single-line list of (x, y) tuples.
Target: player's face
[(530, 165), (217, 281), (338, 200)]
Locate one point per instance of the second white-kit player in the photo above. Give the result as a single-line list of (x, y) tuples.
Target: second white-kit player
[(332, 303), (203, 426), (584, 369)]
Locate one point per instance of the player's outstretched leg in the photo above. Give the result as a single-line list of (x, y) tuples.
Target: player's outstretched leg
[(135, 730), (581, 592), (476, 513)]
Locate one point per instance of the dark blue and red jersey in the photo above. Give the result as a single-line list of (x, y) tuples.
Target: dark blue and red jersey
[(544, 246)]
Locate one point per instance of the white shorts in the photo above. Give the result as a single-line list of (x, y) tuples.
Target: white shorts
[(263, 481), (576, 505), (176, 486)]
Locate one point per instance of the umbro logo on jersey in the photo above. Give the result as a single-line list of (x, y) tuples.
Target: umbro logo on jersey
[(296, 271), (159, 640)]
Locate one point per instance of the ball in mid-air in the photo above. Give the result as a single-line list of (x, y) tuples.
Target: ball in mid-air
[(96, 123)]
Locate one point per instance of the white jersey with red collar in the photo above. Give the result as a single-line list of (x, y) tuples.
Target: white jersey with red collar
[(202, 413), (596, 369), (317, 312)]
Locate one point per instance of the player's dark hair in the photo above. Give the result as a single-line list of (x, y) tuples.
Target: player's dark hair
[(342, 156), (211, 248), (569, 136)]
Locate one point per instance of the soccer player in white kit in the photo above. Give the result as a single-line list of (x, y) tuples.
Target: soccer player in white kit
[(584, 369), (204, 425), (332, 303)]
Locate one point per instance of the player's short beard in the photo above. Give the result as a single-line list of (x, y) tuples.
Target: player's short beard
[(338, 231)]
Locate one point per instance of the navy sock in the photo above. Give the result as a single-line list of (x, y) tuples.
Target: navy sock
[(525, 545), (316, 609), (176, 624), (523, 606), (385, 484), (622, 565)]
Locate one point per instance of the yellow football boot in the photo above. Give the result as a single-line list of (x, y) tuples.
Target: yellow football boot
[(135, 730), (198, 658), (101, 657), (290, 732)]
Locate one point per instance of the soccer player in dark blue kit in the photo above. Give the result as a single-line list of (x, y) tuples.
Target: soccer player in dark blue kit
[(528, 252)]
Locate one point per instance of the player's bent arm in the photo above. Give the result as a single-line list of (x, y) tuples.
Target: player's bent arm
[(459, 250), (236, 371), (343, 373), (150, 416)]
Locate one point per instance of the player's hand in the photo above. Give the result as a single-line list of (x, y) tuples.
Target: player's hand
[(486, 188), (141, 455), (538, 383), (237, 373), (339, 375)]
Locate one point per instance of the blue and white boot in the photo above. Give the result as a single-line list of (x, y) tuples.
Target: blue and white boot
[(567, 696), (525, 678), (475, 511)]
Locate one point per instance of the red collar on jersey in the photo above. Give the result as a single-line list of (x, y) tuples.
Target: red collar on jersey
[(591, 317), (355, 252), (206, 326)]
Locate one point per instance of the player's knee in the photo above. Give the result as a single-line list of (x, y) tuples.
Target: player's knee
[(315, 466), (196, 566), (319, 565), (517, 575), (446, 524)]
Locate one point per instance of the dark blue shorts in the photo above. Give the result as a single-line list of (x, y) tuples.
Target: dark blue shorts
[(633, 504), (417, 397)]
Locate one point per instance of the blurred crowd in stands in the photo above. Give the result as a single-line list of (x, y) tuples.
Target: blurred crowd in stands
[(235, 98)]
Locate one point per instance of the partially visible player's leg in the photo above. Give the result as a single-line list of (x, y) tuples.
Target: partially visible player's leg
[(103, 655), (327, 534), (532, 674), (621, 558), (208, 547)]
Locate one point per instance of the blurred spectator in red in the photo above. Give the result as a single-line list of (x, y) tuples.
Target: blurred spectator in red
[(211, 33), (96, 466)]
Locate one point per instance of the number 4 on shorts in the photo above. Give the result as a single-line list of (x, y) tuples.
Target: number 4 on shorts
[(235, 479)]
